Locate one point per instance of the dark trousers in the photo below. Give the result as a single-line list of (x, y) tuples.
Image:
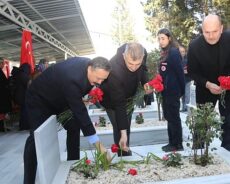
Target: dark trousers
[(171, 109), (73, 139), (30, 160), (116, 131), (36, 117), (23, 123)]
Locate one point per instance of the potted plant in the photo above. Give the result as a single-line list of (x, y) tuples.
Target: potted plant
[(204, 126), (139, 118)]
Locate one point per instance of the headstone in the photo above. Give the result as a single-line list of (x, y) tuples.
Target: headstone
[(50, 167), (193, 95), (192, 104)]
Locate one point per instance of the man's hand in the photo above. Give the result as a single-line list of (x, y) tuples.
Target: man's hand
[(147, 88), (123, 141), (214, 88), (100, 147)]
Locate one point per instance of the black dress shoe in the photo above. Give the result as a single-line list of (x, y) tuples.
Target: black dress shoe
[(227, 146), (170, 148), (179, 147), (124, 153), (165, 147)]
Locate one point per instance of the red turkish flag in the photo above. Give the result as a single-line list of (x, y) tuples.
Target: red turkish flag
[(27, 50)]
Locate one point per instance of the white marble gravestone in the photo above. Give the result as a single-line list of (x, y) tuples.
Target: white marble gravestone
[(193, 95), (192, 104), (51, 170)]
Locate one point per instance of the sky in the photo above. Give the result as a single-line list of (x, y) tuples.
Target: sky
[(97, 14)]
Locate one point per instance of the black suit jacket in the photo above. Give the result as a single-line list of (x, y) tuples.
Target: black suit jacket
[(121, 85), (207, 62), (58, 88)]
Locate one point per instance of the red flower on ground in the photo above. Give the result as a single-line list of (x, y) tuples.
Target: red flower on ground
[(156, 83), (87, 161), (165, 157), (224, 82), (132, 172), (114, 148), (95, 95)]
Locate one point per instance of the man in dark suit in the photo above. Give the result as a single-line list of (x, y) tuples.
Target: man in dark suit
[(5, 100), (209, 58), (128, 70), (58, 88)]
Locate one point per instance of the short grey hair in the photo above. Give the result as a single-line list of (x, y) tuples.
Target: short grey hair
[(134, 50), (100, 63)]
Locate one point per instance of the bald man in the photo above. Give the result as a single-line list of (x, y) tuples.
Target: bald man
[(208, 58)]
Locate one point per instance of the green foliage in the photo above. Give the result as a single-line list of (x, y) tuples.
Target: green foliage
[(151, 156), (64, 117), (183, 18), (123, 28), (91, 168), (153, 63), (172, 159), (86, 167), (102, 121), (204, 126), (139, 118)]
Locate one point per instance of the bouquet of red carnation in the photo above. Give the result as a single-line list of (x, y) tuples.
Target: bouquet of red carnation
[(224, 84), (156, 83), (95, 95)]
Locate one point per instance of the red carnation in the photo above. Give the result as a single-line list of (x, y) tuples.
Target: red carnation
[(95, 95), (114, 148), (156, 83), (132, 172), (224, 82), (87, 161), (166, 157)]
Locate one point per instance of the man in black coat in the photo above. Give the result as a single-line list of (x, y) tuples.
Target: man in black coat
[(5, 100), (21, 78), (128, 70), (58, 88), (209, 58)]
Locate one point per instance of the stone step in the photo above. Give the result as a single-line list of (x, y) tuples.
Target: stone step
[(147, 113), (138, 136)]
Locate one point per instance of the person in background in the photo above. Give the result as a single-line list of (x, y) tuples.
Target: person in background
[(41, 67), (21, 77), (209, 58), (171, 70), (186, 96), (58, 88), (128, 71), (5, 100)]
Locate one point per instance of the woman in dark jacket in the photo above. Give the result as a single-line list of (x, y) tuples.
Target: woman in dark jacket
[(172, 73)]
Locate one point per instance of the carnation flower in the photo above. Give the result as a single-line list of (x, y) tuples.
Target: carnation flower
[(114, 148), (224, 84), (156, 83), (132, 172), (87, 161), (95, 95)]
